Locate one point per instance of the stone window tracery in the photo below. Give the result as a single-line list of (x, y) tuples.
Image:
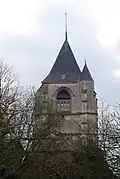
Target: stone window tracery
[(63, 101)]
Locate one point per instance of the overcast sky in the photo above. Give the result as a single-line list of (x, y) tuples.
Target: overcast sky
[(32, 33)]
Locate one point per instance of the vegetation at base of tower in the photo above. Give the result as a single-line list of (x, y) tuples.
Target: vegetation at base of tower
[(30, 151)]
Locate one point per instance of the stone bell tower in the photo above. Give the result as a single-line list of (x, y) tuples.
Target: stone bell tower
[(72, 91)]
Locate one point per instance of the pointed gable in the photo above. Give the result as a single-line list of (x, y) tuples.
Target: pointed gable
[(65, 68), (85, 75)]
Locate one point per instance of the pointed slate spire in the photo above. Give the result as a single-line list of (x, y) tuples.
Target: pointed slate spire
[(85, 75), (65, 68)]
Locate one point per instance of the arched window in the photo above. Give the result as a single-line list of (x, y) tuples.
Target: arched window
[(63, 101), (63, 94)]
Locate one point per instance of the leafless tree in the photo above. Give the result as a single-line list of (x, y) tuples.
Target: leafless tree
[(16, 119), (109, 135)]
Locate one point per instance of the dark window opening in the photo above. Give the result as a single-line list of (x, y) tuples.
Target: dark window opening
[(63, 95), (63, 101)]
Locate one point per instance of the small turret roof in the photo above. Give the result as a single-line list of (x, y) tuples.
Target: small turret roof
[(85, 74)]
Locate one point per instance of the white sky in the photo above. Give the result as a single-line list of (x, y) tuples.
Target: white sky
[(31, 19), (17, 16)]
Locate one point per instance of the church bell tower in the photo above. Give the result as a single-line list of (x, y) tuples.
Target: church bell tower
[(72, 92)]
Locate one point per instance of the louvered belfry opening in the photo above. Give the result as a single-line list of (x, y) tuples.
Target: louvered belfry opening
[(63, 101)]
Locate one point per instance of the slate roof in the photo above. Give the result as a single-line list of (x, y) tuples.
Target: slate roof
[(65, 68), (85, 74)]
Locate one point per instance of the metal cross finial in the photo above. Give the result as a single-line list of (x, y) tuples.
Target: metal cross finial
[(85, 59), (66, 25)]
